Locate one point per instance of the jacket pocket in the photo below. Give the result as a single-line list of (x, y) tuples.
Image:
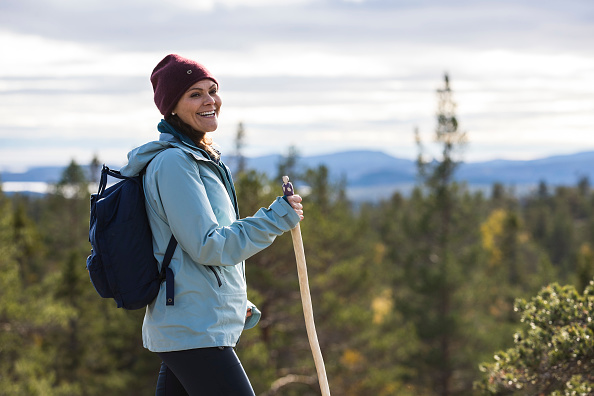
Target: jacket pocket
[(216, 274)]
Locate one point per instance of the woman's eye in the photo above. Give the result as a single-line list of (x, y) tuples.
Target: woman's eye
[(213, 92), (194, 95)]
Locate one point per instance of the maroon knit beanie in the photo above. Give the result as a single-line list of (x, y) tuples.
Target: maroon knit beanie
[(172, 77)]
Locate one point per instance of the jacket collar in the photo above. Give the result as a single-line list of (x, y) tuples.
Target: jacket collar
[(167, 129)]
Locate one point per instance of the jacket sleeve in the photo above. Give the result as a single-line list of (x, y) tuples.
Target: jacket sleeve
[(192, 220), (253, 320)]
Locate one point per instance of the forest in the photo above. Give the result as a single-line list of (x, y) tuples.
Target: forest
[(445, 291)]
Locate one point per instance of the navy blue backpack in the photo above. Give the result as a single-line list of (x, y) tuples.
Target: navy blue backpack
[(122, 265)]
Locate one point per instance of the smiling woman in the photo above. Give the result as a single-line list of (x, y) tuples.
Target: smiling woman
[(197, 113), (186, 93), (199, 107), (190, 195)]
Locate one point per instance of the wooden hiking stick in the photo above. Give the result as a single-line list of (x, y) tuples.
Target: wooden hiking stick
[(306, 298)]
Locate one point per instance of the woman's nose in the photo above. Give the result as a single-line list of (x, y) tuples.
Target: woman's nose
[(209, 99)]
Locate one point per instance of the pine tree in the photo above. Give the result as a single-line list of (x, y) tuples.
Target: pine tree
[(553, 353), (288, 165), (435, 267), (239, 145), (74, 182), (95, 170)]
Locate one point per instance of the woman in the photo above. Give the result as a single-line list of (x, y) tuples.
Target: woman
[(189, 193)]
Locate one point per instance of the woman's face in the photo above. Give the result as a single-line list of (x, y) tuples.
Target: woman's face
[(199, 106)]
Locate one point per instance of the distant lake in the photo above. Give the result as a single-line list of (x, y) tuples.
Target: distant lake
[(36, 187), (40, 188)]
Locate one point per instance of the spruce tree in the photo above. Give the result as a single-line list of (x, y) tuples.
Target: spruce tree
[(239, 145), (435, 266)]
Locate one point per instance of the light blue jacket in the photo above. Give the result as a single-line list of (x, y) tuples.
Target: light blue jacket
[(193, 197)]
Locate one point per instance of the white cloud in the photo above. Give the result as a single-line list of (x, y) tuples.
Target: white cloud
[(232, 4), (40, 57), (320, 74)]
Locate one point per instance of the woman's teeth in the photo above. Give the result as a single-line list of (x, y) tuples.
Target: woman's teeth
[(207, 113)]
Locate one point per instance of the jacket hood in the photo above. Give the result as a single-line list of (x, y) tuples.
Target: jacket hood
[(139, 158)]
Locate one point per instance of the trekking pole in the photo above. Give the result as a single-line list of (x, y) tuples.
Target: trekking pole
[(306, 298)]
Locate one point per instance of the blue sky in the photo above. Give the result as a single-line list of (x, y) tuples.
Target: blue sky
[(320, 75)]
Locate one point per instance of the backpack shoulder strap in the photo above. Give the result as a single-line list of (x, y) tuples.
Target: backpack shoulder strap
[(168, 272)]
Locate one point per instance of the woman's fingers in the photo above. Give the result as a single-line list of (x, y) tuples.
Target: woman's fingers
[(295, 201)]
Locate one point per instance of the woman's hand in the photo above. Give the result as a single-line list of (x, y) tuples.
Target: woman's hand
[(295, 201)]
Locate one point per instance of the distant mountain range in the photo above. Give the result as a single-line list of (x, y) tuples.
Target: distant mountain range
[(372, 175)]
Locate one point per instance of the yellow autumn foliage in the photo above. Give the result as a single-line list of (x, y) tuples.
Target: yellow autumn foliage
[(351, 358), (381, 306), (491, 230)]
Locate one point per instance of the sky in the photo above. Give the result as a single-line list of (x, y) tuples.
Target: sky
[(321, 76)]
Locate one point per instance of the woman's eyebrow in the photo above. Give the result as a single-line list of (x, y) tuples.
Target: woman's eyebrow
[(200, 89)]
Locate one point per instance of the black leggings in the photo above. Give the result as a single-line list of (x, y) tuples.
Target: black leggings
[(202, 372)]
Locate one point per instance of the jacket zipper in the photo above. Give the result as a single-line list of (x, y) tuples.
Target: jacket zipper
[(216, 275), (227, 181)]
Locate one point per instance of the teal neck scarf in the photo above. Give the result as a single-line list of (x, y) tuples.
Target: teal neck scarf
[(165, 127)]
